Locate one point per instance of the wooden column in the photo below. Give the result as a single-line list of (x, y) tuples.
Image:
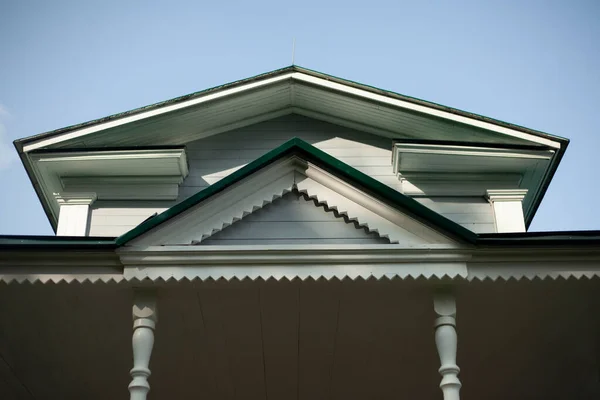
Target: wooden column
[(446, 342), (144, 321)]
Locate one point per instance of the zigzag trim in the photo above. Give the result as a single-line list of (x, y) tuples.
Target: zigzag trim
[(349, 219), (244, 214), (23, 280)]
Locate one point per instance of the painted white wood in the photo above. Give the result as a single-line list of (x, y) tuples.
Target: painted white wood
[(274, 181), (346, 95), (213, 158), (74, 210), (508, 209), (293, 219), (446, 342), (423, 109), (112, 174), (153, 113), (144, 322)]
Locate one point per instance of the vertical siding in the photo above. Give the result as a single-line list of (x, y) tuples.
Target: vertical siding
[(215, 157)]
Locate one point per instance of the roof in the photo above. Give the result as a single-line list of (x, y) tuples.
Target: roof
[(292, 68), (286, 90)]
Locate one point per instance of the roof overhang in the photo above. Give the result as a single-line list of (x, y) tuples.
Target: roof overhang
[(119, 174), (454, 169), (280, 92)]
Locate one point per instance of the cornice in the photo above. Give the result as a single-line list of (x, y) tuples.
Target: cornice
[(497, 195), (75, 198)]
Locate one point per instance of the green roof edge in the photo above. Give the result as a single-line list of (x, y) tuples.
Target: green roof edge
[(293, 146)]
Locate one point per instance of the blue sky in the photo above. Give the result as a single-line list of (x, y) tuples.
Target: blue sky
[(533, 63)]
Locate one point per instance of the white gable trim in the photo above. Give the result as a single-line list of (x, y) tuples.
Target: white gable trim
[(153, 113), (260, 189), (294, 78)]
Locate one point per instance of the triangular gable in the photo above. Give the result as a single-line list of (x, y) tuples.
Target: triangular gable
[(296, 165)]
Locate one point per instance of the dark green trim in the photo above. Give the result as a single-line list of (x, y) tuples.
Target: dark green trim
[(333, 165), (551, 238), (16, 242)]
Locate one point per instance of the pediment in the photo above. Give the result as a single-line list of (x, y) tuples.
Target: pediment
[(305, 198)]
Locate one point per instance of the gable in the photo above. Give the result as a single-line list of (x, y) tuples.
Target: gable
[(297, 166), (295, 218)]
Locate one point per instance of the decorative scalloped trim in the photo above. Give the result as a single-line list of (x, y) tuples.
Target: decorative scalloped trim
[(345, 215), (244, 214), (306, 196)]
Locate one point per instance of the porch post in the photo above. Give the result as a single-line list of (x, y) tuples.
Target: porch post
[(144, 321), (446, 341)]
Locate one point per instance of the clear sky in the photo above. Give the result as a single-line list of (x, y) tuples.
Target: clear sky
[(532, 63)]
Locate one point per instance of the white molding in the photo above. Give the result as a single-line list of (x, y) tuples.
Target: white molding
[(422, 109), (164, 263), (153, 113), (75, 198), (127, 188), (300, 78), (495, 195), (417, 184)]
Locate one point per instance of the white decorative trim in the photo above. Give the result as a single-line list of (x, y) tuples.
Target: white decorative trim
[(300, 78), (75, 198), (422, 109), (160, 264), (127, 187), (494, 195), (454, 183)]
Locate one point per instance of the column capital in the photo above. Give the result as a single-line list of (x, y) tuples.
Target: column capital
[(75, 198), (495, 195)]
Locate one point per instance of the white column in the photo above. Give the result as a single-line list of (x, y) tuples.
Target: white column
[(446, 342), (508, 209), (74, 211), (144, 321)]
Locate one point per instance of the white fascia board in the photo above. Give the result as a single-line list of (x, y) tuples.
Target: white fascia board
[(300, 77), (152, 113), (423, 109)]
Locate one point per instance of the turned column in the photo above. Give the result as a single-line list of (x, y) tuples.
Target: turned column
[(446, 342), (144, 321)]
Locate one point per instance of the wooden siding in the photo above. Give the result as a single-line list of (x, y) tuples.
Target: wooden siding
[(293, 219), (215, 157)]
